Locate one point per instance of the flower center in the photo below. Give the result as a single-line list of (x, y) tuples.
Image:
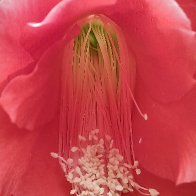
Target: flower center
[(95, 141)]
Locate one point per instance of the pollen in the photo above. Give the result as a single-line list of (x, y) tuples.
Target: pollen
[(101, 170)]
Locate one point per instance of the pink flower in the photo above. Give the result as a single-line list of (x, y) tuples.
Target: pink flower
[(33, 53)]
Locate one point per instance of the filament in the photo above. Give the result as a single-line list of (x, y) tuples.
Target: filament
[(95, 140)]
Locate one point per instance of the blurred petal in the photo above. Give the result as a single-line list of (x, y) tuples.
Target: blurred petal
[(189, 7), (32, 100), (165, 144), (23, 11)]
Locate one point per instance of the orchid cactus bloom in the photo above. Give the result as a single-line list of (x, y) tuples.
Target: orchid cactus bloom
[(107, 88)]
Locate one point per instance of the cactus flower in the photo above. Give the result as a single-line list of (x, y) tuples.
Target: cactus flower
[(97, 97)]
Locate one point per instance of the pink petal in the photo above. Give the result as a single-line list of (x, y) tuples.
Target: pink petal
[(164, 187), (160, 35), (38, 36), (166, 66), (13, 58), (32, 100), (15, 146), (43, 175), (162, 40), (23, 11), (26, 165), (189, 7), (165, 144), (13, 15)]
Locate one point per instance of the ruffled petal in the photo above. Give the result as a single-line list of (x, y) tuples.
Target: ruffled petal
[(13, 16), (165, 144), (32, 100), (38, 36), (160, 36)]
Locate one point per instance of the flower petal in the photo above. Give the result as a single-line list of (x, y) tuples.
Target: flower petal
[(23, 11), (165, 56), (189, 7), (43, 175), (26, 165), (13, 58), (36, 40), (160, 36), (15, 146), (32, 100), (165, 144), (13, 16), (164, 187), (38, 36)]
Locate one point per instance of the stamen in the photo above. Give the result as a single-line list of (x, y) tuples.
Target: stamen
[(144, 115), (96, 141), (93, 173)]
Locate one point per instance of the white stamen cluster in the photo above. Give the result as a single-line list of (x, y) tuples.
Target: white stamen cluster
[(97, 168)]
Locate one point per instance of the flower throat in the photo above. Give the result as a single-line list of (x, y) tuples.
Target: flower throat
[(95, 142)]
